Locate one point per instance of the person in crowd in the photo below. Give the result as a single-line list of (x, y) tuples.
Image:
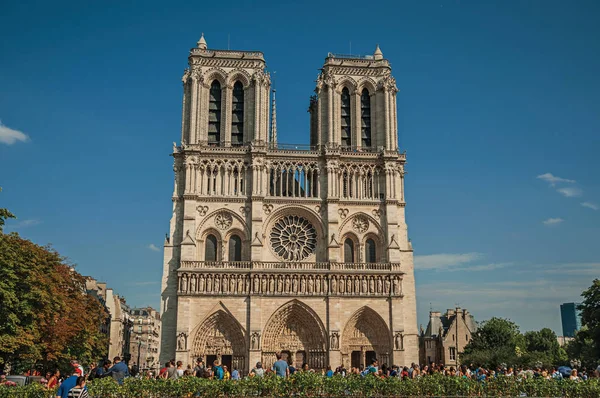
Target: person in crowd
[(280, 367), (162, 373), (180, 369), (80, 390), (199, 368), (218, 371), (68, 383), (305, 367), (53, 379), (75, 364), (226, 374), (119, 370), (258, 370), (170, 371), (329, 372), (574, 375), (235, 375)]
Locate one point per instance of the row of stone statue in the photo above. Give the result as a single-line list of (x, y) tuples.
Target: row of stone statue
[(203, 283)]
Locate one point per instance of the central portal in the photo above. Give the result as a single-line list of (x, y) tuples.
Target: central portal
[(296, 332)]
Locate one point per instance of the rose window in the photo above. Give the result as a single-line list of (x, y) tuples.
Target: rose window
[(293, 238)]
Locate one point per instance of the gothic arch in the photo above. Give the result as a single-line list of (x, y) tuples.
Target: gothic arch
[(215, 73), (241, 75), (346, 81), (366, 331), (201, 243), (244, 241), (355, 249), (367, 83), (296, 328), (379, 244), (374, 226), (220, 334), (200, 231)]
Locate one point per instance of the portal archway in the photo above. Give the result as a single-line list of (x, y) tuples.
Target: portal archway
[(296, 331), (221, 337), (365, 336)]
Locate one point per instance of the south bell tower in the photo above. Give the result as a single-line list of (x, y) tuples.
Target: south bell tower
[(288, 248)]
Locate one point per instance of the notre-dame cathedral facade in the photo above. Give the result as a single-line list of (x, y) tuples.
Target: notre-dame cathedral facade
[(291, 249)]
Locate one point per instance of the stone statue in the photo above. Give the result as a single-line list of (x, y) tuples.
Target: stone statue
[(193, 284), (287, 284), (302, 285), (396, 286), (184, 284), (342, 285), (264, 284), (379, 285), (256, 284), (318, 285), (280, 284), (333, 285), (232, 284), (371, 285), (387, 286), (254, 341), (334, 341), (246, 284), (240, 284), (181, 342), (310, 285), (271, 284), (295, 285), (201, 284), (349, 285), (364, 285), (225, 284), (209, 284), (356, 285)]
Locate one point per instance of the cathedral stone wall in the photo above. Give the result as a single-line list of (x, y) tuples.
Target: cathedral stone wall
[(276, 248)]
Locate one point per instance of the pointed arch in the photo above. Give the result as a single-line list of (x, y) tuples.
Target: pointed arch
[(237, 114), (365, 118), (218, 335), (241, 76), (367, 331), (214, 112), (346, 118), (296, 329)]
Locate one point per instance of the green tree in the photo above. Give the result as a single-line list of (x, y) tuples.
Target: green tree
[(586, 345), (496, 341), (46, 316), (542, 346), (4, 215)]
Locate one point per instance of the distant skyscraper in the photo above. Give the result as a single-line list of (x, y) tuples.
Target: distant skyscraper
[(571, 318)]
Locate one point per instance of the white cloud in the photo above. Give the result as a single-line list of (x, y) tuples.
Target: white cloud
[(570, 192), (9, 136), (444, 260), (552, 221), (26, 223), (590, 205), (483, 267), (153, 247), (552, 179)]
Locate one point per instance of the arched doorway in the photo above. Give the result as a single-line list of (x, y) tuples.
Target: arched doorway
[(366, 336), (296, 331), (221, 337)]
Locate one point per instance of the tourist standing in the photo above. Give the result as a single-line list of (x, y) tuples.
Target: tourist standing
[(180, 369), (281, 368), (80, 390), (218, 370), (258, 370), (68, 383), (53, 380), (119, 371)]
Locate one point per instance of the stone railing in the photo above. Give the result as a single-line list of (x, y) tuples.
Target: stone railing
[(277, 265)]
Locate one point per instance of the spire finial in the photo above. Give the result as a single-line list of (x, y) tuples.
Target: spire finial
[(202, 43), (273, 135), (378, 54)]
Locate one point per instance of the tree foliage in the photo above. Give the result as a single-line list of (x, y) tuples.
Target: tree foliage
[(586, 345), (46, 316), (4, 215)]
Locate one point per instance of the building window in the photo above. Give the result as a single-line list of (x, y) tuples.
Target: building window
[(214, 114), (210, 250), (346, 132), (452, 353), (235, 248), (237, 114), (370, 251), (348, 251), (365, 118)]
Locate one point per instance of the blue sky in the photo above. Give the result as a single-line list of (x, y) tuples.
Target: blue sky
[(492, 96)]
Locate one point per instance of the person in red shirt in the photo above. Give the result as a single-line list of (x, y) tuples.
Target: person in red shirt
[(53, 380)]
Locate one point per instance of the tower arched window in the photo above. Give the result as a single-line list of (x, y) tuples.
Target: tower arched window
[(237, 114), (365, 118), (370, 251), (214, 114), (235, 248), (346, 123), (348, 250), (210, 248)]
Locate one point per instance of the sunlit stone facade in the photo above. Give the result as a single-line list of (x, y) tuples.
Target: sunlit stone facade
[(276, 248)]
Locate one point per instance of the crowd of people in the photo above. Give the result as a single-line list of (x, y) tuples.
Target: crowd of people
[(74, 384)]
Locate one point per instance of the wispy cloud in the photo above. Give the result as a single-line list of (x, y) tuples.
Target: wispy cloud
[(9, 136), (590, 205), (553, 180), (570, 192), (552, 221), (26, 223), (445, 260), (483, 267), (145, 283), (153, 247)]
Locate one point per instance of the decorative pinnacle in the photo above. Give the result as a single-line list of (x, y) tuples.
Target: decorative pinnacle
[(273, 137), (202, 43), (378, 54)]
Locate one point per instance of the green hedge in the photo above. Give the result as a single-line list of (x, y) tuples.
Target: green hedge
[(313, 385)]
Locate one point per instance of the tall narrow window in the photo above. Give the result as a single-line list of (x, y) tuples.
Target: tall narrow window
[(210, 248), (235, 248), (348, 251), (237, 114), (365, 118), (346, 133), (214, 114), (370, 251)]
